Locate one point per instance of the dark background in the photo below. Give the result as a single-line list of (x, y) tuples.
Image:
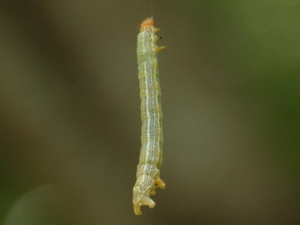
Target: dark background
[(70, 120)]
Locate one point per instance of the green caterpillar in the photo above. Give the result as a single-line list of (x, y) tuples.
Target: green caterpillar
[(150, 161)]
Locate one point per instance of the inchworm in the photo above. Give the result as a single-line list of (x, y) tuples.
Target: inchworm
[(148, 174)]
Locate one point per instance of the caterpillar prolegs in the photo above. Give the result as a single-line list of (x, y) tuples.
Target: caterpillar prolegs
[(150, 161)]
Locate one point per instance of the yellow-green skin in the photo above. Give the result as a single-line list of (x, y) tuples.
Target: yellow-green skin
[(148, 174)]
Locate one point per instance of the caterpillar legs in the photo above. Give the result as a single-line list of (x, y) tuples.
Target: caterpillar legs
[(142, 193)]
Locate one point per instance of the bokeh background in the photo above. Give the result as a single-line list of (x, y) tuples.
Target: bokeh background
[(70, 120)]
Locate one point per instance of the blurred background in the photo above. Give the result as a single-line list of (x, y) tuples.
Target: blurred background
[(70, 119)]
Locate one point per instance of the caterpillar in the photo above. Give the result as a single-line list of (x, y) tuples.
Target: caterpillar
[(150, 161)]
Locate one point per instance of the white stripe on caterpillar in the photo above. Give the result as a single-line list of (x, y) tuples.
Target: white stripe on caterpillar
[(148, 174)]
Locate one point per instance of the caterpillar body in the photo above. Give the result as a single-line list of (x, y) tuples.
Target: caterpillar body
[(150, 161)]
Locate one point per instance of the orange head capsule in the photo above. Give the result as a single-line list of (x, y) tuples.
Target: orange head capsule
[(146, 23)]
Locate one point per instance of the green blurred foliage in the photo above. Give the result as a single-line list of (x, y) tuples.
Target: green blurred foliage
[(258, 41)]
